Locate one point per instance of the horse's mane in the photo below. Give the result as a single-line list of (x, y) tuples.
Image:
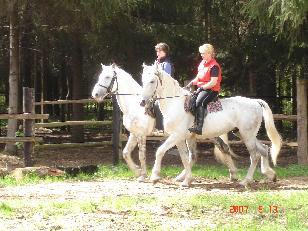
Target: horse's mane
[(125, 75), (172, 84)]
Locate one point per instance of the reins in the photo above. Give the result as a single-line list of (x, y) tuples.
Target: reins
[(115, 78)]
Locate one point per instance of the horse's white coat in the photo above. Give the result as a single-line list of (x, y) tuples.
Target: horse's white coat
[(134, 118), (238, 112)]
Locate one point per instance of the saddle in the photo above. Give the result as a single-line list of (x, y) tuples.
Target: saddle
[(212, 107)]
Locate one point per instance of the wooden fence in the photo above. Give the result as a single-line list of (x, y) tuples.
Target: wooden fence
[(118, 137), (29, 117)]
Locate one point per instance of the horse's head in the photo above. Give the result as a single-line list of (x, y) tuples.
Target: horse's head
[(151, 82), (105, 83)]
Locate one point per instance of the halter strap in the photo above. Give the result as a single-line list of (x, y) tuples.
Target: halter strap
[(109, 88)]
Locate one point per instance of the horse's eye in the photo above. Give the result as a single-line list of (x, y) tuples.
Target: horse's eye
[(152, 81)]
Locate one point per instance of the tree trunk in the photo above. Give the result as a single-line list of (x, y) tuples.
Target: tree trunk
[(25, 51), (252, 78), (14, 74), (62, 89), (206, 18), (77, 131), (302, 150)]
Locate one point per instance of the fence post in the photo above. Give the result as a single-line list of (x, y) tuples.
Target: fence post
[(28, 107), (116, 131), (302, 149)]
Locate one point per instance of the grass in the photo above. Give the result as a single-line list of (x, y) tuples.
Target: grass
[(206, 211), (122, 172), (6, 209)]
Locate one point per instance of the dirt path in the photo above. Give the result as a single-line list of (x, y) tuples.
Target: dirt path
[(108, 219), (167, 187)]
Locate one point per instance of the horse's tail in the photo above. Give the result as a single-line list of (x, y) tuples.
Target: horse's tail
[(271, 130)]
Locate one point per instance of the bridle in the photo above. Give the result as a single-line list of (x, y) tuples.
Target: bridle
[(109, 88), (153, 98)]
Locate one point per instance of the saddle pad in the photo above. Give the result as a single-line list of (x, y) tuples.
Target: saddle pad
[(214, 106)]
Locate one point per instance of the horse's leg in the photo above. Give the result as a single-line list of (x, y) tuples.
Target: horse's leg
[(224, 156), (265, 167), (183, 150), (129, 147), (142, 150), (254, 158), (192, 147), (225, 159), (171, 141)]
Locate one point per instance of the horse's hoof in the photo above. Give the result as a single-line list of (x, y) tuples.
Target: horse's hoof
[(245, 182), (180, 178), (273, 178), (141, 178), (233, 180), (186, 183), (155, 178)]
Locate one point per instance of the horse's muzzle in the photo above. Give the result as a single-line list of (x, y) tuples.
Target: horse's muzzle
[(142, 104)]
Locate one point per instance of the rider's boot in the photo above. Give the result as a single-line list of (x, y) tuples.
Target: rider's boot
[(200, 114)]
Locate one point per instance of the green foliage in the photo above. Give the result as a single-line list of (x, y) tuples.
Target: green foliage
[(286, 19), (6, 209), (252, 39), (19, 133)]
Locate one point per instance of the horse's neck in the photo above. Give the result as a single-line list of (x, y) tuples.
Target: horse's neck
[(170, 93), (127, 86)]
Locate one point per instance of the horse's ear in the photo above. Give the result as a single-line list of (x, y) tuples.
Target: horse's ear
[(156, 65), (143, 65), (113, 65), (103, 66)]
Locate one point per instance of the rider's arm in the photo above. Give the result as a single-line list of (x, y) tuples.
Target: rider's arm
[(195, 81), (210, 84), (167, 67)]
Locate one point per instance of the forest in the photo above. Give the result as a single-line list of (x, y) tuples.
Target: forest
[(56, 47)]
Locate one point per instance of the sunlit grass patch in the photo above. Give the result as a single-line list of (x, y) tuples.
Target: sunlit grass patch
[(260, 210), (204, 211), (121, 171), (6, 209)]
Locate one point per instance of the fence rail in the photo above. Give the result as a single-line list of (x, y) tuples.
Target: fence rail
[(71, 123), (24, 116), (60, 101), (28, 118), (117, 137)]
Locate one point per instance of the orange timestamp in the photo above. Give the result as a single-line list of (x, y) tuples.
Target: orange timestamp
[(270, 209)]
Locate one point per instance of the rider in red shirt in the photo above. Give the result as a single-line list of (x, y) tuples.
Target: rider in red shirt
[(208, 82)]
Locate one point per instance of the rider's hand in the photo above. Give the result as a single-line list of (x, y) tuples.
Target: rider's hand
[(198, 90)]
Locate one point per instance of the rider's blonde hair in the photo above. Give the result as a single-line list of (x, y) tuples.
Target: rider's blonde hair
[(207, 48)]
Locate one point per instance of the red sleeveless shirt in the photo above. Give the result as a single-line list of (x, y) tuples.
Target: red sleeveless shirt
[(204, 75)]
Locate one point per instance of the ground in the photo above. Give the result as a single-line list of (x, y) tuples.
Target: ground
[(113, 218)]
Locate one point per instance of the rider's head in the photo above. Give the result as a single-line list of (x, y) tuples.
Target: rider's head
[(162, 50), (207, 51)]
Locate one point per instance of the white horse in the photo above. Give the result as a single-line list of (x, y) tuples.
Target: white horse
[(112, 79), (238, 112)]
